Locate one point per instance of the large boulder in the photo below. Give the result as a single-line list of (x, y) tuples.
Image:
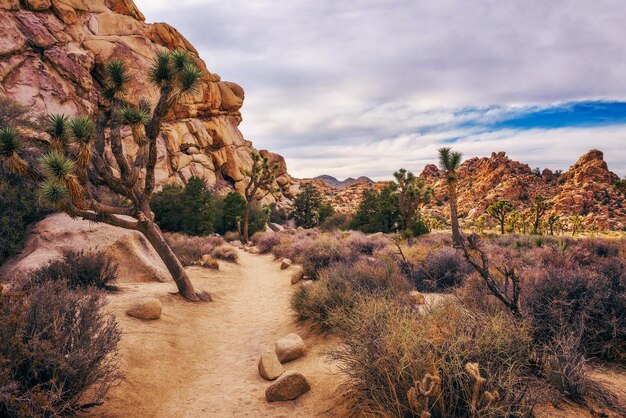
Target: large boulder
[(136, 259), (290, 348), (269, 366), (52, 58), (289, 386)]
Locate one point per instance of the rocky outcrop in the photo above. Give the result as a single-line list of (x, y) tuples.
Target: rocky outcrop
[(137, 261), (52, 54), (587, 189)]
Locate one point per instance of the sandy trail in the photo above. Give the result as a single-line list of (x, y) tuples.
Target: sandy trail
[(201, 359)]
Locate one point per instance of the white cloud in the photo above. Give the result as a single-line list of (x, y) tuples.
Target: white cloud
[(343, 87)]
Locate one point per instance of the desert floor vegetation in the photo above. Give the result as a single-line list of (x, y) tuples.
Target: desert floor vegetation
[(470, 355), (58, 346)]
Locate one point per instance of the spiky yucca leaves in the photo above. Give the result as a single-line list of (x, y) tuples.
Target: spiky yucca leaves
[(9, 147), (160, 71), (131, 115), (57, 128), (82, 130), (178, 69), (53, 193), (59, 169), (117, 76)]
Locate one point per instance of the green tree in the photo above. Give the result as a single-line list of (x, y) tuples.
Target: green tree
[(326, 211), (232, 211), (306, 207), (541, 205), (261, 179), (76, 175), (449, 163), (499, 210), (412, 194), (189, 209), (377, 211)]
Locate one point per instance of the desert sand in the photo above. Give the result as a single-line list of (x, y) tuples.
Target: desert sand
[(200, 359)]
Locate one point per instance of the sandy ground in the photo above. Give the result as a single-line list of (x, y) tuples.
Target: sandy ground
[(200, 359)]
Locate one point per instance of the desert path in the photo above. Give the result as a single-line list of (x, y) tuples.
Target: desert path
[(200, 359)]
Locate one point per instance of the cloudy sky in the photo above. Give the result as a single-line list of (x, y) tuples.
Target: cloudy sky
[(364, 87)]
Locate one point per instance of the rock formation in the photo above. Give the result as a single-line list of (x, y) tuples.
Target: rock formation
[(587, 189), (52, 54)]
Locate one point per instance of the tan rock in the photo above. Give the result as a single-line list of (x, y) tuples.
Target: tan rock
[(148, 308), (269, 366), (417, 298), (290, 348), (297, 275), (38, 5), (285, 263), (289, 386)]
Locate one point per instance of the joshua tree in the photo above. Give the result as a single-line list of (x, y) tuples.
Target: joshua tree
[(260, 184), (500, 210), (553, 221), (539, 209), (577, 222), (412, 193), (449, 162), (77, 177)]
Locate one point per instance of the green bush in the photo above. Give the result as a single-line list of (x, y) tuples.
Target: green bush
[(189, 209), (57, 351), (20, 207), (337, 222), (377, 211)]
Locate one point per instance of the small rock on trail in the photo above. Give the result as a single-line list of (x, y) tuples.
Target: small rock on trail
[(288, 387), (269, 366), (290, 348), (149, 308)]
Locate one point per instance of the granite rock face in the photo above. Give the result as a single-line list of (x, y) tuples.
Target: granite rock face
[(52, 55)]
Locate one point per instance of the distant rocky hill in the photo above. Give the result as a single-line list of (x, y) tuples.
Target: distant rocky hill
[(587, 189), (332, 181)]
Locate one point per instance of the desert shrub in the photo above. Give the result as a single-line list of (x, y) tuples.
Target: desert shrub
[(209, 262), (294, 243), (340, 286), (322, 253), (565, 367), (189, 209), (231, 236), (588, 301), (388, 355), (78, 269), (57, 349), (588, 251), (19, 203), (266, 241), (441, 270), (226, 253), (190, 250), (364, 244), (336, 222)]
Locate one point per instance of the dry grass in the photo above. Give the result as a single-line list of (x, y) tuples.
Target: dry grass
[(190, 250)]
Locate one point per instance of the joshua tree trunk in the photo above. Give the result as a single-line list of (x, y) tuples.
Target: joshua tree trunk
[(454, 215), (502, 227), (246, 222), (153, 234)]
